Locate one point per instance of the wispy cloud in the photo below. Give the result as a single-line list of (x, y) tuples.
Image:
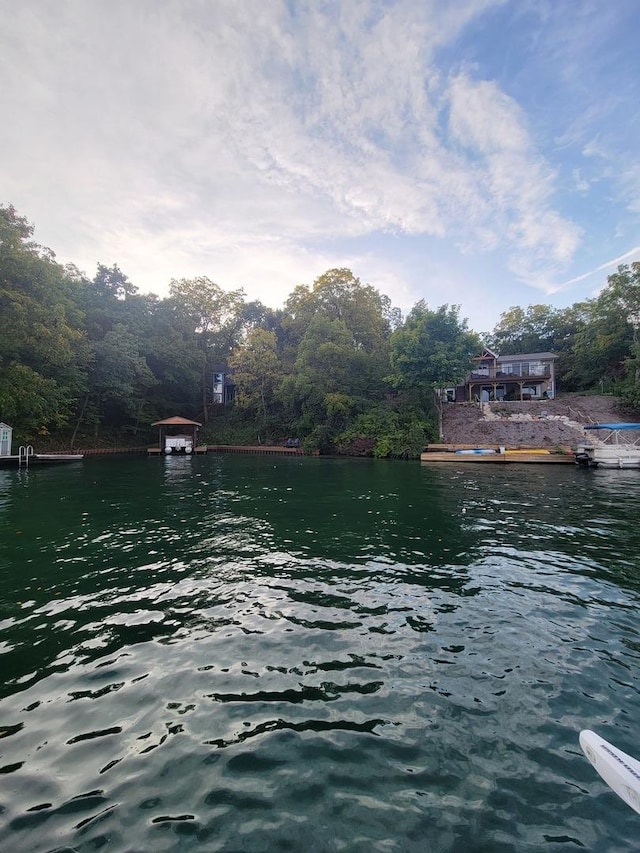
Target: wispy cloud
[(632, 253), (260, 142)]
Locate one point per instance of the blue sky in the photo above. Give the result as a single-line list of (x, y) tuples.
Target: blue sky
[(477, 152)]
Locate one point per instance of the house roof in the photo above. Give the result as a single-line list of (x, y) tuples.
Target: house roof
[(176, 421), (486, 353), (528, 356)]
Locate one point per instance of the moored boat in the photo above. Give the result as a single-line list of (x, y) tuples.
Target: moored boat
[(615, 450)]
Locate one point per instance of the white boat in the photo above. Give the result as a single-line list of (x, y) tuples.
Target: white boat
[(615, 450)]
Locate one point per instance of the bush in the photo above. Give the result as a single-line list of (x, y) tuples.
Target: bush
[(388, 434)]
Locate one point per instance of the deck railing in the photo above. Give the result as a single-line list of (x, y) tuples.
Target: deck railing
[(518, 371)]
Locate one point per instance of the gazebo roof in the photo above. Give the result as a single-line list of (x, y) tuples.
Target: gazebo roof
[(176, 421)]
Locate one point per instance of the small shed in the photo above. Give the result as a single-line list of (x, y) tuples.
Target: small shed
[(178, 435), (6, 433)]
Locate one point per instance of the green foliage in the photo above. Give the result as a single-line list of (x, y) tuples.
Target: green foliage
[(604, 351), (232, 426), (336, 367), (119, 374), (535, 329), (433, 349), (43, 349), (32, 403), (256, 371), (215, 319), (111, 281), (396, 434), (623, 294), (318, 440)]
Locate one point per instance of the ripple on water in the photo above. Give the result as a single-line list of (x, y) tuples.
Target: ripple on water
[(228, 655)]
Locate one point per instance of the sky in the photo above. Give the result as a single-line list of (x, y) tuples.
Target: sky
[(483, 153)]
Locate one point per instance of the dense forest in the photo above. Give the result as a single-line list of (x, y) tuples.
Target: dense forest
[(85, 362)]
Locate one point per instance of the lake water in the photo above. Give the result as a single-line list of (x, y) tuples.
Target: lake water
[(244, 653)]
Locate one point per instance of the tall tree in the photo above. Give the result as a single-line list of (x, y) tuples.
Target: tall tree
[(171, 351), (327, 364), (366, 320), (338, 295), (534, 329), (213, 313), (433, 348), (43, 349), (256, 371), (112, 281), (623, 291), (120, 378), (621, 299)]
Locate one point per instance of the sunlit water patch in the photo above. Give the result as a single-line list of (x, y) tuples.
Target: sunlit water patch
[(234, 654)]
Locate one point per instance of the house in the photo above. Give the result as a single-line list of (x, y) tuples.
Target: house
[(224, 389), (528, 376)]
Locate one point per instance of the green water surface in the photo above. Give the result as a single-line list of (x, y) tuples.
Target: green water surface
[(245, 653)]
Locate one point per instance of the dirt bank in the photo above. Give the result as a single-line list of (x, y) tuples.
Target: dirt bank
[(546, 424)]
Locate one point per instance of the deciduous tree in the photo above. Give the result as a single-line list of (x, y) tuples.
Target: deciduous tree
[(213, 313), (256, 371), (43, 348), (433, 348)]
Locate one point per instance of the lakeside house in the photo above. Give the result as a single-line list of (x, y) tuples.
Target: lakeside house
[(223, 386), (527, 376)]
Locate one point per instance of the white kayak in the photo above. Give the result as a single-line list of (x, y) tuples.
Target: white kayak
[(620, 771)]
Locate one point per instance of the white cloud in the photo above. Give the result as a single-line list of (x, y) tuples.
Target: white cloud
[(632, 253), (231, 139), (513, 183), (581, 184)]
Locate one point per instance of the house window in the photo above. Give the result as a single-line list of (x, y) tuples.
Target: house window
[(218, 387)]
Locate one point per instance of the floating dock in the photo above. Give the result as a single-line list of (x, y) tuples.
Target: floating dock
[(493, 453), (38, 458)]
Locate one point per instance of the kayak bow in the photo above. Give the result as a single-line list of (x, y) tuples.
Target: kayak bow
[(620, 771)]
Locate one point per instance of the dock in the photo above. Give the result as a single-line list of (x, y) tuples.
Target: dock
[(262, 449), (497, 454), (24, 460), (268, 449)]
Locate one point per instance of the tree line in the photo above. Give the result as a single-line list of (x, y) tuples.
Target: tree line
[(91, 360)]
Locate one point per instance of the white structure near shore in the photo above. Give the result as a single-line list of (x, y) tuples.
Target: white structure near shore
[(6, 437)]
